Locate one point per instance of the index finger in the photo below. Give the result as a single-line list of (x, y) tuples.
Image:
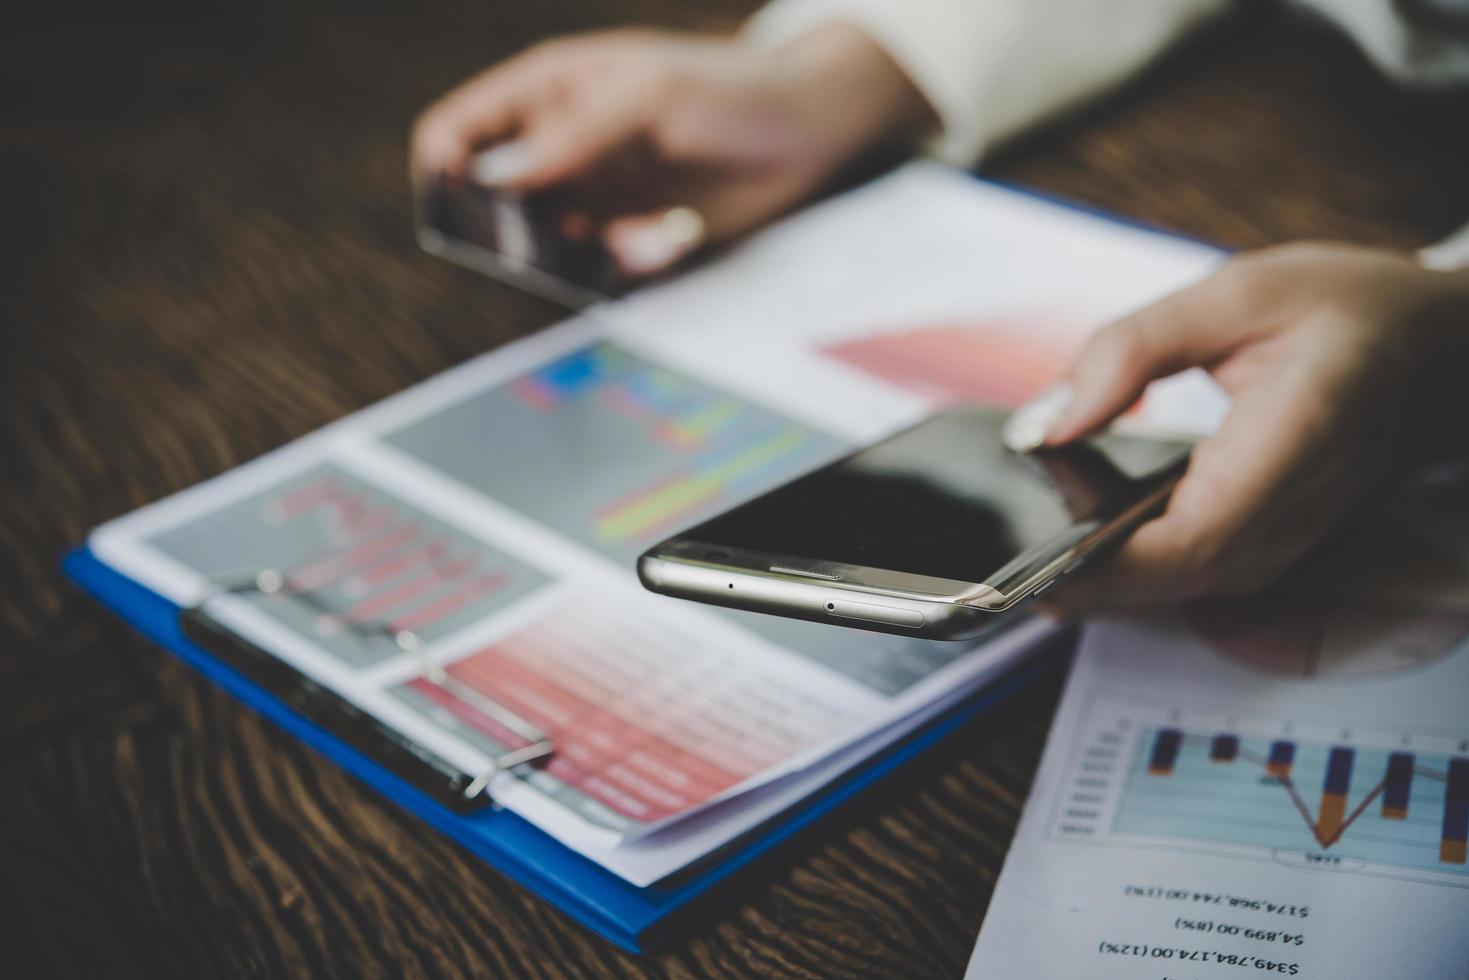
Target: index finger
[(490, 106), (1223, 527)]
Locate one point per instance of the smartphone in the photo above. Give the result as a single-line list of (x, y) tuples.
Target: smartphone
[(532, 241), (932, 533)]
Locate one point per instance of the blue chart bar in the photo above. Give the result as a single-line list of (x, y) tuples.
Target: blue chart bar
[(1397, 786), (1455, 846), (1165, 751), (1334, 793), (1224, 748), (1282, 757)]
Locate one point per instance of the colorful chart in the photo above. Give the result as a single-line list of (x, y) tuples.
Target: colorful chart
[(612, 450), (647, 720), (1391, 807), (356, 564)]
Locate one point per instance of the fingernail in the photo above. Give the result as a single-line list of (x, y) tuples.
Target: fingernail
[(1027, 427), (651, 247), (502, 164)]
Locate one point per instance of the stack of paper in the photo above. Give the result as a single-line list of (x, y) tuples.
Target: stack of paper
[(1275, 785), (496, 511)]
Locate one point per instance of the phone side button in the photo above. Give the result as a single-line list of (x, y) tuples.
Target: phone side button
[(872, 613)]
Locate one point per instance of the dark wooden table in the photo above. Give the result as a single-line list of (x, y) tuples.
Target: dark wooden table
[(206, 253)]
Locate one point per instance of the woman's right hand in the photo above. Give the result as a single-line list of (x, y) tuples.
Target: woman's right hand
[(1345, 366), (670, 141)]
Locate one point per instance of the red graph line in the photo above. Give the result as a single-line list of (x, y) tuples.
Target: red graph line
[(1313, 824), (1366, 802), (1295, 797)]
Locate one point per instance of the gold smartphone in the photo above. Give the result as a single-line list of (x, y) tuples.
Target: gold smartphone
[(935, 532)]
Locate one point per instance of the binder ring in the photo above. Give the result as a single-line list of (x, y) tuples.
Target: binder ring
[(272, 582)]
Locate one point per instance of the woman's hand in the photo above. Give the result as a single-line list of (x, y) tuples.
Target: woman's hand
[(1348, 369), (669, 141)]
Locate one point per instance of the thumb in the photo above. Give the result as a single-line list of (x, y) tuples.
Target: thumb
[(1191, 328), (712, 209)]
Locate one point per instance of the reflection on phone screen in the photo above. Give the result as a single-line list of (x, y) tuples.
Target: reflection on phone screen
[(946, 498)]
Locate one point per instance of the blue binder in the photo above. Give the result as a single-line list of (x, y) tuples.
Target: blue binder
[(637, 919)]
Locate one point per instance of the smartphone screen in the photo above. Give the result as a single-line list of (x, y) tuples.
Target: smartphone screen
[(946, 499)]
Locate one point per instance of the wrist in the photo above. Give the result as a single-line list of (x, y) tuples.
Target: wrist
[(852, 92)]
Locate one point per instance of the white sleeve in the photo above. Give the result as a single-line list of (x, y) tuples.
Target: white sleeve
[(1424, 44), (991, 68)]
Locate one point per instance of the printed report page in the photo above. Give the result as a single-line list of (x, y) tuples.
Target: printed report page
[(1261, 787), (495, 512)]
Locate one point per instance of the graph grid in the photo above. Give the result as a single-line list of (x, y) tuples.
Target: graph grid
[(1391, 807)]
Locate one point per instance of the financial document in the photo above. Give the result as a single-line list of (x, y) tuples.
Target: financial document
[(1264, 787), (495, 512)]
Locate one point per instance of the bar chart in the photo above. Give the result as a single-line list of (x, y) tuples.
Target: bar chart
[(1383, 802), (1348, 791), (613, 450)]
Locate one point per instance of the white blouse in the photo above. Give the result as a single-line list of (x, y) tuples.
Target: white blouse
[(993, 68)]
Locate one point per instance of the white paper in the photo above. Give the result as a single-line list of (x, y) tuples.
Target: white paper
[(648, 859), (496, 510), (1302, 823)]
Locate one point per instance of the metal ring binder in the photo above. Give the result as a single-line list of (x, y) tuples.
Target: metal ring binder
[(273, 582)]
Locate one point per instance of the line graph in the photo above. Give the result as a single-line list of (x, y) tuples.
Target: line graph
[(351, 555)]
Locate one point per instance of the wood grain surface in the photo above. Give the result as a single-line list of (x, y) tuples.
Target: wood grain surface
[(207, 252)]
